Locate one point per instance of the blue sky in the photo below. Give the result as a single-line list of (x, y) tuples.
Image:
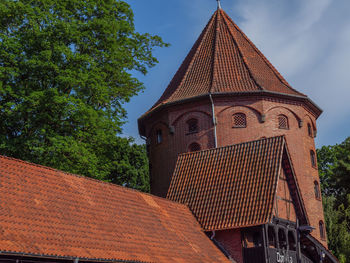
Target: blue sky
[(308, 41)]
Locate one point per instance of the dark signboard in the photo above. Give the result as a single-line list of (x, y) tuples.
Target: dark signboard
[(282, 256)]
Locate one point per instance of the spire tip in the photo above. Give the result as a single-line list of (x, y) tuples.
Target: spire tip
[(219, 4)]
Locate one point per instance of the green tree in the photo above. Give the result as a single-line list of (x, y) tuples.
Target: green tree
[(65, 72), (334, 170)]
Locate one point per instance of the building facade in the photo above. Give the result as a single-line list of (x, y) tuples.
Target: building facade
[(226, 92)]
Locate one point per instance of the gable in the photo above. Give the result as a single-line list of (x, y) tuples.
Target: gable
[(229, 187), (288, 203), (284, 206)]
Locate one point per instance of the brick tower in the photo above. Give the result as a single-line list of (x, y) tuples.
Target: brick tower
[(227, 92)]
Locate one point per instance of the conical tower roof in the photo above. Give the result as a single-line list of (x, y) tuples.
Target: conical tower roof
[(223, 61)]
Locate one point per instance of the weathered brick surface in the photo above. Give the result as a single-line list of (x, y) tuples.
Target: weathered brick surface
[(262, 121)]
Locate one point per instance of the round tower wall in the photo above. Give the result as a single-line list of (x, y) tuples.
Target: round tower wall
[(262, 120)]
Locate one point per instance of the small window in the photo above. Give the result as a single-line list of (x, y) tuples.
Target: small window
[(309, 130), (239, 120), (194, 147), (159, 136), (322, 230), (283, 122), (317, 190), (192, 125), (313, 158), (282, 238)]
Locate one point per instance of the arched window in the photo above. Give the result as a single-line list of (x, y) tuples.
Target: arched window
[(322, 230), (282, 238), (291, 241), (317, 190), (192, 126), (239, 120), (194, 147), (159, 136), (272, 237), (309, 129), (283, 122), (313, 158)]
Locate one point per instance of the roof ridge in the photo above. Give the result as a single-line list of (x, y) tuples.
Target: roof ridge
[(241, 54), (267, 62), (86, 178), (213, 81), (229, 146)]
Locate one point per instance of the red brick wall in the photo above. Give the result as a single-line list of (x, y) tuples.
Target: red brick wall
[(262, 121), (231, 241)]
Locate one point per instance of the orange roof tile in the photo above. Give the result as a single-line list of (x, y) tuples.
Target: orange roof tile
[(48, 212), (223, 60), (229, 187)]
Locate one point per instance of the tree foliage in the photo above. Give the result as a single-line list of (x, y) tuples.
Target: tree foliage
[(334, 170), (65, 72)]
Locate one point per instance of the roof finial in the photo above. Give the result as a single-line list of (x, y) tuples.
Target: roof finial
[(219, 4)]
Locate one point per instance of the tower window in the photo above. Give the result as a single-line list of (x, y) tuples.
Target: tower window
[(322, 230), (192, 125), (309, 129), (313, 158), (194, 147), (159, 136), (239, 120), (317, 190), (283, 122)]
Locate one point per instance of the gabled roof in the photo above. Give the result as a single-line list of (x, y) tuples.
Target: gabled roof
[(232, 186), (45, 212), (224, 60)]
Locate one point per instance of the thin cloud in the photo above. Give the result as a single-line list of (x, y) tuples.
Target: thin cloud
[(308, 42)]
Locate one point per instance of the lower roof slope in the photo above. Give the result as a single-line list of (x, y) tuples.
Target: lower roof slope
[(48, 212), (232, 186)]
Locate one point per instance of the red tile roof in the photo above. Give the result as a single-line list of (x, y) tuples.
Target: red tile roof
[(229, 187), (223, 60), (48, 212)]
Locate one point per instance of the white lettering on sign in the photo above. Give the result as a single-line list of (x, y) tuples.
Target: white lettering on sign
[(284, 258)]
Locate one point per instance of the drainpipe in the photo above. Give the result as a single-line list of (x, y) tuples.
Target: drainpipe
[(76, 260), (214, 120)]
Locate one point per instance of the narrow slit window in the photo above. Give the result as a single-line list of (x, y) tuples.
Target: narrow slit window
[(192, 126), (194, 147), (309, 130), (159, 136), (322, 230), (313, 158), (283, 122), (239, 120), (317, 190)]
